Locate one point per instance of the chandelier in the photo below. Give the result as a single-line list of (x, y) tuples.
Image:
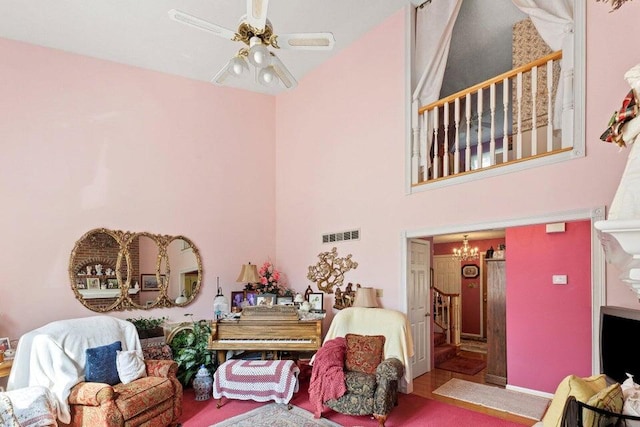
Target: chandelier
[(466, 252)]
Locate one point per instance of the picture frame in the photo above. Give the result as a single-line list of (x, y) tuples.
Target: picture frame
[(284, 300), (93, 283), (112, 284), (316, 300), (251, 297), (470, 271), (5, 344), (149, 282), (266, 299), (236, 299)]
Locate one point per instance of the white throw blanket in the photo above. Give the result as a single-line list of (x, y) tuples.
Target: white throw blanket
[(393, 324), (53, 356)]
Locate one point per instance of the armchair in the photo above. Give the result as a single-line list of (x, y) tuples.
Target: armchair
[(359, 374), (54, 356), (370, 394)]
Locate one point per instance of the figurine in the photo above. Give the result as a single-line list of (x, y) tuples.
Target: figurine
[(98, 269)]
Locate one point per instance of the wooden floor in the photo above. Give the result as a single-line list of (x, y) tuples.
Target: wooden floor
[(424, 386)]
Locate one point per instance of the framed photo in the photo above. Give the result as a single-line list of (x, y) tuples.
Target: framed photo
[(112, 284), (149, 282), (470, 271), (266, 299), (284, 300), (93, 283), (316, 300), (251, 297), (5, 344), (236, 299)]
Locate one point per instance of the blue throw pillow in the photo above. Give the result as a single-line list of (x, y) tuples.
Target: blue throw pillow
[(101, 364)]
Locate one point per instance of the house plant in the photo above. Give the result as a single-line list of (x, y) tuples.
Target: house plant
[(149, 327), (190, 351)]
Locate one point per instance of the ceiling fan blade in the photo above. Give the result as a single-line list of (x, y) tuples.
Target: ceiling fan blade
[(257, 13), (306, 41), (223, 74), (283, 73), (201, 24)]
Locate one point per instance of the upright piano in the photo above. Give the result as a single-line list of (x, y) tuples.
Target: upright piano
[(265, 329)]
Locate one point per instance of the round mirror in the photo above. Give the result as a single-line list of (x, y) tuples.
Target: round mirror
[(183, 271), (93, 270)]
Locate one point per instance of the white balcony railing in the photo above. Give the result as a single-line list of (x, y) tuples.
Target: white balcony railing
[(504, 120)]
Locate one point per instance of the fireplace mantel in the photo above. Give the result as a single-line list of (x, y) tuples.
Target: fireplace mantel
[(621, 242)]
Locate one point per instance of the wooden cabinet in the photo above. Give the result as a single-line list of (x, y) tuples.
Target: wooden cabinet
[(496, 322)]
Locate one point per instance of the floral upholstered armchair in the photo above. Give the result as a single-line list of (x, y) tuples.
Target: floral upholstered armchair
[(358, 371), (95, 369), (370, 390)]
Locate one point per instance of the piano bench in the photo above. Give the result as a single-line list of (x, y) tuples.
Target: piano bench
[(238, 379)]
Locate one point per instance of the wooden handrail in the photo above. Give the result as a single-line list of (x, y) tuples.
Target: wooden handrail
[(444, 293), (489, 82)]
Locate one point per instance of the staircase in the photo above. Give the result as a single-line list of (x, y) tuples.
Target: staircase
[(441, 350)]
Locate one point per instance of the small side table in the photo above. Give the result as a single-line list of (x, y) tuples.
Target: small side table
[(5, 369)]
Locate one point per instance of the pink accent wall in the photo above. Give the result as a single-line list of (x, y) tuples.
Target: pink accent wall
[(87, 143), (548, 326)]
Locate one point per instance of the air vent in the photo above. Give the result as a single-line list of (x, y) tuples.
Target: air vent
[(341, 236)]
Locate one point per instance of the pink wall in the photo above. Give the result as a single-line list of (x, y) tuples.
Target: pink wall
[(340, 139), (548, 325), (88, 143)]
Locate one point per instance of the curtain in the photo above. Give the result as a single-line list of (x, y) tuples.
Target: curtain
[(434, 25), (554, 21)]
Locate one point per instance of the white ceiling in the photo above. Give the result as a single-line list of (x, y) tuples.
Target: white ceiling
[(140, 33)]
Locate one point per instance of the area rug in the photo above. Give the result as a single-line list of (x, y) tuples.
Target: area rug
[(462, 365), (514, 402), (275, 414)]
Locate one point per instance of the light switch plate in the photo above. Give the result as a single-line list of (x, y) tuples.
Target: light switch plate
[(559, 279)]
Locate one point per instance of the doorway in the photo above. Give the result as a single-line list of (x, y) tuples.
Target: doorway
[(597, 256)]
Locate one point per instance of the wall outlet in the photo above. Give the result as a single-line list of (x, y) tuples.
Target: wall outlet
[(379, 293)]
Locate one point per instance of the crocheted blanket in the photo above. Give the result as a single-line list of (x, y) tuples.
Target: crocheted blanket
[(327, 376), (259, 380), (29, 406)]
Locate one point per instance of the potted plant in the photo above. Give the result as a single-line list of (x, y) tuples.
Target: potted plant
[(190, 351), (149, 327)]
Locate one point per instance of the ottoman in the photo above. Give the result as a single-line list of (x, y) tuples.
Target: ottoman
[(259, 380)]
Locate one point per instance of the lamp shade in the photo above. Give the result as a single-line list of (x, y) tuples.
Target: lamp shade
[(248, 274), (365, 297)]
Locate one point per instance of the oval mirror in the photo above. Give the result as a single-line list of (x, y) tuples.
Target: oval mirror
[(93, 270), (118, 270), (144, 250), (183, 271)]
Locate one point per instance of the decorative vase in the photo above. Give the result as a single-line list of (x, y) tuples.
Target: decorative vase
[(203, 384)]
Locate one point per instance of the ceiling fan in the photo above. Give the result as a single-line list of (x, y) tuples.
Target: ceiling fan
[(256, 32)]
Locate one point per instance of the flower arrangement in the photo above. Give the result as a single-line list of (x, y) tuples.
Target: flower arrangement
[(271, 281)]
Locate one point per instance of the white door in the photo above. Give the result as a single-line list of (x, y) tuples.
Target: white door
[(446, 269), (418, 302)]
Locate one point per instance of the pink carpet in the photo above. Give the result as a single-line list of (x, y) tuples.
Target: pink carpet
[(412, 411)]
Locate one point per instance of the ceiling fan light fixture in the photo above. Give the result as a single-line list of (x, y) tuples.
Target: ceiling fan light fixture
[(268, 77), (238, 66), (259, 55)]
